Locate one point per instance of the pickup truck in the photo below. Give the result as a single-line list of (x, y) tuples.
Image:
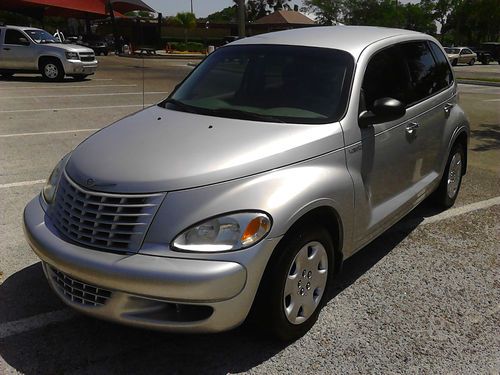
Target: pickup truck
[(32, 50)]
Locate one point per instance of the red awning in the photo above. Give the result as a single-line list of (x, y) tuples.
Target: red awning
[(73, 8)]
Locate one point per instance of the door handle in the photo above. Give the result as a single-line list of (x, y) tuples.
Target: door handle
[(411, 127), (447, 107), (6, 49)]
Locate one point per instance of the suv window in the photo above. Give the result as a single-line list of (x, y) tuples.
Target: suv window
[(13, 37), (443, 74)]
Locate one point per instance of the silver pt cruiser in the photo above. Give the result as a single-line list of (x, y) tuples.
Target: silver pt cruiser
[(241, 194)]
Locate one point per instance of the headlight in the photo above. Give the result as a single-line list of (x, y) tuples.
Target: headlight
[(50, 188), (225, 233), (72, 56)]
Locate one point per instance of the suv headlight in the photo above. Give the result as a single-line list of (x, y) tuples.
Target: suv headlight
[(72, 55), (50, 188), (224, 233)]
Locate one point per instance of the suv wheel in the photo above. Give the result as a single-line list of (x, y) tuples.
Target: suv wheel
[(52, 70), (293, 290), (448, 189)]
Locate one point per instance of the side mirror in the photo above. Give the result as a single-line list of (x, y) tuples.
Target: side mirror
[(383, 109), (23, 41)]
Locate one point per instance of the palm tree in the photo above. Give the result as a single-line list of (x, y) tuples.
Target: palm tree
[(187, 20)]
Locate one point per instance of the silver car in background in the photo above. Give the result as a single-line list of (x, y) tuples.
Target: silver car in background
[(32, 50), (241, 194)]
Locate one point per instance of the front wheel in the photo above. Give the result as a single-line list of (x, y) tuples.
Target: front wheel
[(52, 70), (454, 62), (448, 189), (472, 62), (296, 283)]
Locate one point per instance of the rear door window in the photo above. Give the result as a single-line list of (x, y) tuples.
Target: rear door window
[(443, 74), (13, 37), (422, 69)]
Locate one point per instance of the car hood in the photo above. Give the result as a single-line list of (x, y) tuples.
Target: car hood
[(69, 47), (159, 149)]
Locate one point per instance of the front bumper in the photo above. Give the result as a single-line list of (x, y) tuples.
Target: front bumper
[(72, 67), (172, 294)]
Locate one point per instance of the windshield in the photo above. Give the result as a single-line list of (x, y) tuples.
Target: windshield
[(269, 83), (452, 51), (41, 36)]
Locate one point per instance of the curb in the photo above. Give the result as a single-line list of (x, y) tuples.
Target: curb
[(479, 83)]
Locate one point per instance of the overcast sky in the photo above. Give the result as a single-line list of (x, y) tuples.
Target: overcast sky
[(202, 8)]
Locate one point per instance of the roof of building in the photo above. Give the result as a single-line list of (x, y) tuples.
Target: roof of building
[(285, 17), (72, 8), (353, 39)]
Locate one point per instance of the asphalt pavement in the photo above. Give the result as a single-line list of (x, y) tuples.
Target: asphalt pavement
[(422, 298)]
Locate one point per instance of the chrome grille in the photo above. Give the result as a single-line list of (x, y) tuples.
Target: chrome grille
[(107, 221), (77, 291), (87, 56)]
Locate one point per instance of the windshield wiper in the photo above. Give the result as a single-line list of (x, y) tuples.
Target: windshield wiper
[(238, 113), (182, 106)]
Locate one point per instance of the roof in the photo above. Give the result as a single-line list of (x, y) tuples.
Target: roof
[(72, 8), (353, 39), (285, 17)]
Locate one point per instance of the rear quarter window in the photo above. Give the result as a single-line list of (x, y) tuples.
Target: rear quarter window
[(443, 73)]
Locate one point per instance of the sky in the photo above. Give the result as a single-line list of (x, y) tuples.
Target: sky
[(202, 8)]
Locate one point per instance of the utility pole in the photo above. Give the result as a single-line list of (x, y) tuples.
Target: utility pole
[(241, 18), (192, 6)]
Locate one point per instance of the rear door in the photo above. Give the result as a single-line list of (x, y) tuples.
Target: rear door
[(17, 51)]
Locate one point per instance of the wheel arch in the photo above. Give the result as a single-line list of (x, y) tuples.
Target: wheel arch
[(44, 58)]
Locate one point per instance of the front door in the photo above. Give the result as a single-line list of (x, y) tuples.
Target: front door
[(17, 51)]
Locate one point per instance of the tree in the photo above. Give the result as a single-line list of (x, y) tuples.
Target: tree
[(328, 12), (228, 14), (186, 20), (420, 17)]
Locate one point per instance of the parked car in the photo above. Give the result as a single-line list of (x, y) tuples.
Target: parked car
[(31, 50), (97, 43), (483, 56), (493, 48), (461, 55), (241, 194)]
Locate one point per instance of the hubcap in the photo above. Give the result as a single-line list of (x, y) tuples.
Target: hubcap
[(51, 71), (454, 174), (305, 282)]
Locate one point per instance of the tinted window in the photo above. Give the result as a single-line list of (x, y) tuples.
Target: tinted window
[(443, 74), (13, 37), (386, 76), (284, 83)]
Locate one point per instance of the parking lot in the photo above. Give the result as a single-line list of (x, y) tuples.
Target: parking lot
[(423, 298)]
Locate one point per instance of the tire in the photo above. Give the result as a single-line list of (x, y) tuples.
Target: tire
[(52, 70), (472, 62), (80, 77), (295, 284), (448, 188), (454, 62)]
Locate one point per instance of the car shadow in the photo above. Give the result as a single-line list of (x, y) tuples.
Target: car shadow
[(40, 79), (92, 346)]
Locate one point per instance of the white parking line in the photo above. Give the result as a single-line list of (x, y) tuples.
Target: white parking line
[(34, 322), (492, 100), (38, 321), (46, 133), (76, 108), (82, 95), (23, 183), (64, 87)]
